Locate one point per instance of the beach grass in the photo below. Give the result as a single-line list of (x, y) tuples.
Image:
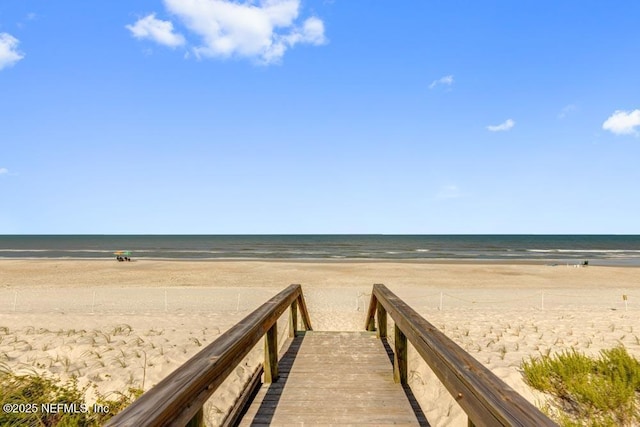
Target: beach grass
[(588, 391), (32, 394)]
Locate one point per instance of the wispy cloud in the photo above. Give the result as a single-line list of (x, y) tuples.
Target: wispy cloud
[(259, 30), (450, 191), (623, 122), (30, 17), (4, 171), (502, 127), (157, 30), (446, 81), (566, 110), (9, 53)]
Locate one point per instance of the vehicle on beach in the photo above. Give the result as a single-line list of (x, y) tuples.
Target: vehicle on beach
[(123, 255)]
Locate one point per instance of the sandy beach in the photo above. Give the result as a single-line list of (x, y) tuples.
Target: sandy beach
[(122, 325)]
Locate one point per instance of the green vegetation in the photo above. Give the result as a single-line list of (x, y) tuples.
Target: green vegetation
[(30, 394), (600, 391)]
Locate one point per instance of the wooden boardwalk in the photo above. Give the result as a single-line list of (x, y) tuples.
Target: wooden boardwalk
[(331, 378)]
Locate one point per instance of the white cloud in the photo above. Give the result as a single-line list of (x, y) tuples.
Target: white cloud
[(4, 171), (312, 32), (157, 30), (502, 126), (261, 30), (566, 110), (623, 122), (446, 80), (9, 53)]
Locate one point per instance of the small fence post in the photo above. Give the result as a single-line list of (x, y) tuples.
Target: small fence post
[(293, 319), (271, 354), (382, 321), (400, 356)]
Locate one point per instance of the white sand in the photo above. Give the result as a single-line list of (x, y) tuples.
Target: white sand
[(123, 325)]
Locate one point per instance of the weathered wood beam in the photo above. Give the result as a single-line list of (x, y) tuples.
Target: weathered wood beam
[(176, 399), (399, 356), (486, 399), (382, 321), (293, 319), (197, 420), (271, 354), (302, 306), (370, 321)]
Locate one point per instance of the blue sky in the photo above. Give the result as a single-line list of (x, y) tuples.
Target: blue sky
[(300, 116)]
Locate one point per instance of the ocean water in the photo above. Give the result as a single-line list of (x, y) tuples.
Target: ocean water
[(597, 249)]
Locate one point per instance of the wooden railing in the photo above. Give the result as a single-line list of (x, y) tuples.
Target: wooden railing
[(177, 400), (486, 399)]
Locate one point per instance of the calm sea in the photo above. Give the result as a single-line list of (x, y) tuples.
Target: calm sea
[(597, 249)]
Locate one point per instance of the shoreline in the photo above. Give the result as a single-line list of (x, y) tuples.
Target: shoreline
[(551, 262)]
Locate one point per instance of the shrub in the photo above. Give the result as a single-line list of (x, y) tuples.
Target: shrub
[(40, 390), (600, 391)]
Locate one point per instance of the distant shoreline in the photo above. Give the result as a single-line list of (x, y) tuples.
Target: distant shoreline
[(521, 249), (631, 263)]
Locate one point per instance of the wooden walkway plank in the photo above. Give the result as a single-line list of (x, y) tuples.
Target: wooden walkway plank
[(333, 378)]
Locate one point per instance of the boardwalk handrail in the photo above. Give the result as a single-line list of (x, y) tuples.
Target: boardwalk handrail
[(178, 399), (486, 399)]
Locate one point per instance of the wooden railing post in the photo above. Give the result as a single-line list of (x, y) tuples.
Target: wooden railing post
[(293, 319), (372, 324), (400, 356), (271, 354), (302, 306), (371, 313), (382, 321), (197, 420)]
